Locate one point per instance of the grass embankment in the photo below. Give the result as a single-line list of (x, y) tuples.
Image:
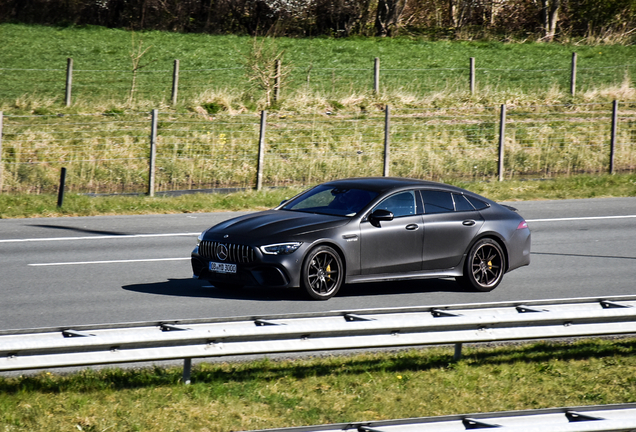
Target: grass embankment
[(439, 129), (325, 72), (22, 206), (272, 394)]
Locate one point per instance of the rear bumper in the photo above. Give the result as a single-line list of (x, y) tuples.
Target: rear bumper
[(519, 250)]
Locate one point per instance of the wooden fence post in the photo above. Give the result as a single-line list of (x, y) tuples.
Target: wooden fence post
[(261, 152), (1, 164), (387, 117), (175, 82), (153, 153), (277, 82), (613, 138), (376, 76), (573, 75), (69, 81), (502, 141), (472, 75)]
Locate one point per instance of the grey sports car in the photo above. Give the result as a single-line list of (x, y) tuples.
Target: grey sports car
[(362, 230)]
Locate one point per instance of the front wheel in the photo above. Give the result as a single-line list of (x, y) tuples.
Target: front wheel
[(322, 273), (484, 267)]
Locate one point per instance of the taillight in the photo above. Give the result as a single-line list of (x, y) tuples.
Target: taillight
[(522, 225)]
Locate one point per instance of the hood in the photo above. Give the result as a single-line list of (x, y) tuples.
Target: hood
[(278, 224)]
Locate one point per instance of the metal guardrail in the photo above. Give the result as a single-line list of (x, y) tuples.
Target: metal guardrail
[(335, 330), (605, 418)]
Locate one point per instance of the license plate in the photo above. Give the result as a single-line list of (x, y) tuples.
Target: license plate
[(222, 267)]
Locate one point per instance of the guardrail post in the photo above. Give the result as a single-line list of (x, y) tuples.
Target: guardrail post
[(69, 80), (573, 75), (153, 153), (387, 116), (472, 75), (613, 138), (502, 141), (175, 82), (458, 352), (60, 192), (187, 370), (376, 76), (261, 152)]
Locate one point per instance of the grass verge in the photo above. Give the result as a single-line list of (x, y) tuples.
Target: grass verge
[(272, 394), (24, 206)]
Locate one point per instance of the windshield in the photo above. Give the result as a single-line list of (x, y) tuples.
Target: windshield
[(331, 201)]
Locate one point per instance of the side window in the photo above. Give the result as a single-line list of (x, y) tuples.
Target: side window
[(477, 203), (462, 204), (401, 204), (437, 202)]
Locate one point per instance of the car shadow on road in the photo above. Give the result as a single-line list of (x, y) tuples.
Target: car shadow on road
[(203, 289)]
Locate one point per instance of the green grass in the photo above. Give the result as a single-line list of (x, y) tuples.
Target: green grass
[(331, 68), (110, 153), (210, 139), (364, 387), (43, 205)]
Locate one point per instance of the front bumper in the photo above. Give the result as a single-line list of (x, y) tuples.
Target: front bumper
[(264, 270)]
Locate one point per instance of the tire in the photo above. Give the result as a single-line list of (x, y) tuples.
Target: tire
[(322, 273), (484, 267)]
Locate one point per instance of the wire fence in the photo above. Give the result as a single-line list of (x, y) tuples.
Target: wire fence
[(110, 153), (173, 83)]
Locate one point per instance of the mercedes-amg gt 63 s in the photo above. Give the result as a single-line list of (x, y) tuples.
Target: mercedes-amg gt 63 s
[(362, 230)]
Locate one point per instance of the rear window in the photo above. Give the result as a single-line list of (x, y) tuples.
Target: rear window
[(462, 204), (477, 203)]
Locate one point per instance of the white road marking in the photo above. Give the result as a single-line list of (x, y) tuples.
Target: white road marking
[(102, 237), (111, 237), (110, 262), (581, 218), (134, 236)]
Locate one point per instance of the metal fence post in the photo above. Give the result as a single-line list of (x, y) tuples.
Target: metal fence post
[(376, 75), (502, 141), (277, 82), (69, 80), (153, 152), (613, 138), (261, 151), (472, 75), (175, 82), (1, 164), (573, 75), (387, 117)]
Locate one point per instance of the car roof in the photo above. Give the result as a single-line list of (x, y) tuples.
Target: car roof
[(383, 184)]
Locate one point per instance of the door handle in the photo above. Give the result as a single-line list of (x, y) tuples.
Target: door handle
[(412, 227), (468, 222)]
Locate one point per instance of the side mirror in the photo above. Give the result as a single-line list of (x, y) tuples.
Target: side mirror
[(380, 215)]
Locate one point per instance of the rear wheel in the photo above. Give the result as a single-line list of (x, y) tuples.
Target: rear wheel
[(484, 267), (322, 273)]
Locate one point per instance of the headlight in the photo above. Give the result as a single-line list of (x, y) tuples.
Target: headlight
[(280, 248), (200, 238)]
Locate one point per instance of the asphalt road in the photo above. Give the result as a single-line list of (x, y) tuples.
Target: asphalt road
[(90, 270)]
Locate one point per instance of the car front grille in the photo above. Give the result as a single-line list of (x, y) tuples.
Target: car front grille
[(235, 253)]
